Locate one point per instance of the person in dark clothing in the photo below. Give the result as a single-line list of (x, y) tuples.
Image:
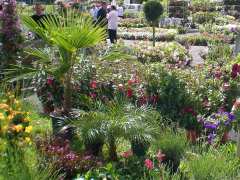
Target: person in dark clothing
[(39, 13), (102, 15)]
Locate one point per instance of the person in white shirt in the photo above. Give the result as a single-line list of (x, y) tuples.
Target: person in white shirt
[(112, 24), (120, 11), (93, 12)]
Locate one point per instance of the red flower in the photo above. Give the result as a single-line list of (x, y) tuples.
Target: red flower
[(129, 93), (130, 82), (49, 81), (149, 164), (93, 84), (235, 70), (127, 154)]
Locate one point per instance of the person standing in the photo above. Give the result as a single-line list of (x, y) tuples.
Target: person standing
[(102, 14), (39, 13), (112, 24), (120, 11)]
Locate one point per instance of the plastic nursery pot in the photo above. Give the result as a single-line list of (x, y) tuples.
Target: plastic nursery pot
[(192, 136), (60, 124), (139, 148)]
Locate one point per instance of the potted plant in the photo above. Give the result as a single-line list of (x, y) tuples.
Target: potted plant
[(153, 10)]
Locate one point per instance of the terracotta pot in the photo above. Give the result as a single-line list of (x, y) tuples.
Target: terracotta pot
[(191, 136), (225, 137)]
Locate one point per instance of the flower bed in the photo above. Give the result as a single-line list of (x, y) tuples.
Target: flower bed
[(132, 23), (203, 39), (146, 34), (169, 53)]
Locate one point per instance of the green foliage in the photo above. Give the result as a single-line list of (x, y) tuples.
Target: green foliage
[(115, 121), (204, 17), (173, 145), (21, 164), (170, 88), (215, 164), (153, 10)]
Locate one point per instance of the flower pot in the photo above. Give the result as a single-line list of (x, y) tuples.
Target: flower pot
[(139, 148), (191, 136)]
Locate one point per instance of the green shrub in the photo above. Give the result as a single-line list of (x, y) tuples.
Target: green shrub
[(204, 17), (215, 165), (173, 145)]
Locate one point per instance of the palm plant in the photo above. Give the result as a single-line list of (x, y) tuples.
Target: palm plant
[(70, 33), (119, 120)]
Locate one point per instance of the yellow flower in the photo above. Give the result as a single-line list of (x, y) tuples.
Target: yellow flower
[(4, 106), (28, 140), (10, 117), (28, 129), (18, 128), (1, 116)]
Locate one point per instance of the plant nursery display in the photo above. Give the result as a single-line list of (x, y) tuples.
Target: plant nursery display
[(158, 104)]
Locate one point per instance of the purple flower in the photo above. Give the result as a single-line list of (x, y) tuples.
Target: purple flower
[(211, 137), (209, 125)]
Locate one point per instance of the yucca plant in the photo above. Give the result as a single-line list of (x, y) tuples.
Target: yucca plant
[(70, 33)]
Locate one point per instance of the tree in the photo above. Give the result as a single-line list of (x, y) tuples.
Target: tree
[(69, 33), (153, 10)]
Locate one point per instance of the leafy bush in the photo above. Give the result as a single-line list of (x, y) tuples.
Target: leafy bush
[(204, 17), (173, 145), (171, 90), (215, 164)]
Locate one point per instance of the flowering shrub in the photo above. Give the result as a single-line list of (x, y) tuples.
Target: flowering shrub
[(10, 33), (132, 23), (50, 93), (58, 151), (168, 53), (203, 39), (146, 34), (14, 123), (217, 124)]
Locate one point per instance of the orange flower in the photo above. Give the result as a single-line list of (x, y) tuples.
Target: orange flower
[(18, 128)]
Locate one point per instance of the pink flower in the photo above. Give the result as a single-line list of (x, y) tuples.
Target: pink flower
[(93, 84), (130, 82), (149, 164), (93, 95), (49, 81), (160, 156), (127, 154)]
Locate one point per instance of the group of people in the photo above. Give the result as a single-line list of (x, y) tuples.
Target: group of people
[(103, 14), (109, 15)]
